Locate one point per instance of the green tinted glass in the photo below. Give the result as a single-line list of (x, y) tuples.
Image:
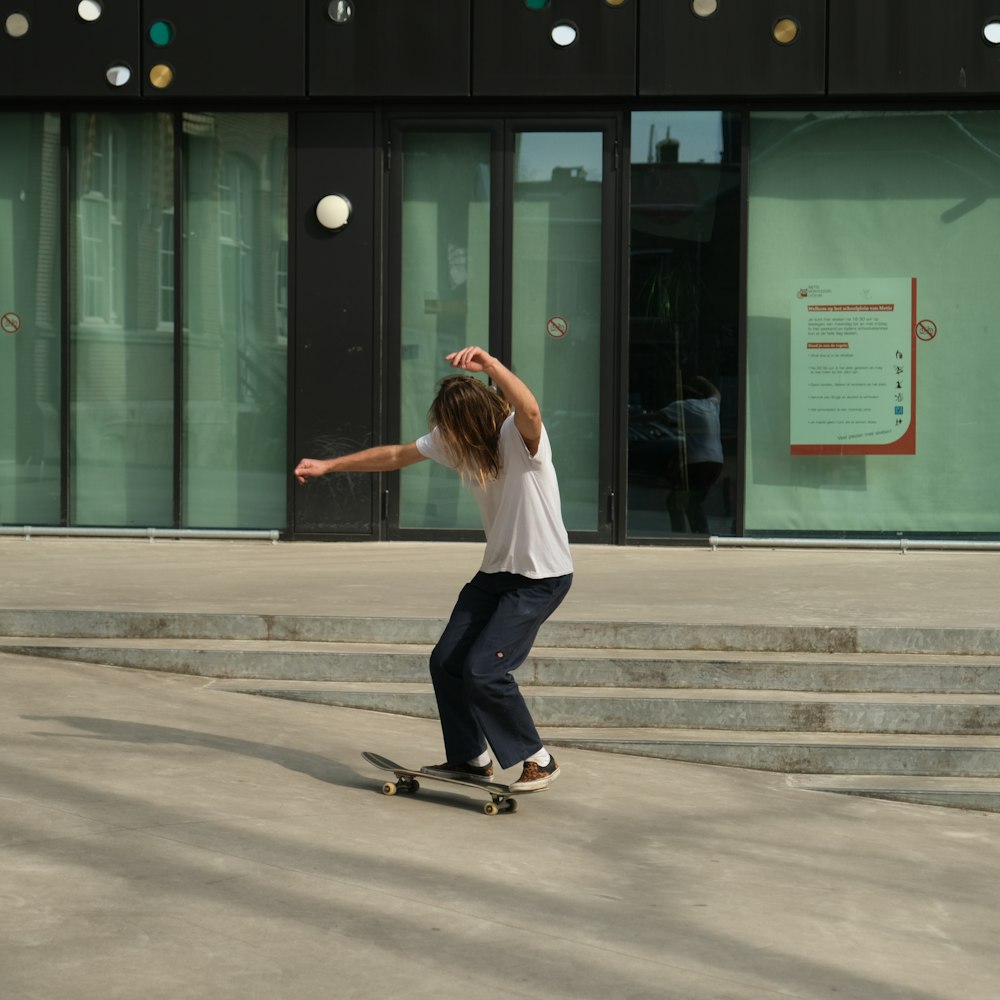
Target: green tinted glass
[(556, 302), (872, 423), (121, 339), (444, 300), (30, 355), (235, 320)]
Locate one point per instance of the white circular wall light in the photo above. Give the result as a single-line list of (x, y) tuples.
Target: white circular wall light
[(333, 211), (991, 32), (704, 8)]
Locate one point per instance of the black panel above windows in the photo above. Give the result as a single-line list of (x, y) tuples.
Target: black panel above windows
[(914, 47), (222, 48), (378, 48), (86, 49), (553, 48), (732, 47)]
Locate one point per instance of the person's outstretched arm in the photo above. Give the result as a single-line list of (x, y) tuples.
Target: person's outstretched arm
[(384, 458), (527, 414)]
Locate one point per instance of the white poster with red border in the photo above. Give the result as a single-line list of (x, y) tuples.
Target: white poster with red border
[(853, 387)]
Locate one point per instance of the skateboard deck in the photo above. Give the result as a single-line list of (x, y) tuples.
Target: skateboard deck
[(502, 797)]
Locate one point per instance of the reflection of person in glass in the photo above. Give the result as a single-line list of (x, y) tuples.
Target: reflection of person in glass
[(695, 418), (689, 434)]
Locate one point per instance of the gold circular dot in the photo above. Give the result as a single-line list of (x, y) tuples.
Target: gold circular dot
[(161, 75), (614, 3), (785, 31)]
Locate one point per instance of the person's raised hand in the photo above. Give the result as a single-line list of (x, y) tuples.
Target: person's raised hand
[(471, 359)]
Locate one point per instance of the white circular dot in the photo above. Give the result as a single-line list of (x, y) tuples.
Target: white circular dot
[(119, 74), (340, 11), (991, 32), (16, 25), (564, 34)]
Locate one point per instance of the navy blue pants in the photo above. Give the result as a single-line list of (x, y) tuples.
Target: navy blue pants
[(489, 634)]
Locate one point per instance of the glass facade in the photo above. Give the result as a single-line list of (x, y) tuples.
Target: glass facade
[(234, 471), (872, 299), (96, 443), (30, 319), (145, 315), (121, 344)]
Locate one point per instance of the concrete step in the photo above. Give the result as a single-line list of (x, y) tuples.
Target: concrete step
[(734, 636), (799, 753), (981, 794), (771, 711), (566, 667)]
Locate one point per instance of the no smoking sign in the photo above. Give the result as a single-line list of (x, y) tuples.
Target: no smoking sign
[(557, 327), (10, 322)]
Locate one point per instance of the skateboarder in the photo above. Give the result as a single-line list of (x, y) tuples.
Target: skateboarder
[(496, 442)]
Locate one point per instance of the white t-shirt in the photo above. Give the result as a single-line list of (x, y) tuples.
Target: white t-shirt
[(702, 428), (521, 510)]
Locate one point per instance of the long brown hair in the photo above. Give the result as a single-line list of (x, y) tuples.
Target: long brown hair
[(468, 413)]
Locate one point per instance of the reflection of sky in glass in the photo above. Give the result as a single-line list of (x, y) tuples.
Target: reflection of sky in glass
[(698, 132), (539, 152)]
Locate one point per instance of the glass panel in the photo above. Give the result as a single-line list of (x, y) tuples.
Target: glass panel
[(683, 324), (121, 344), (444, 300), (235, 320), (871, 314), (556, 302), (30, 450)]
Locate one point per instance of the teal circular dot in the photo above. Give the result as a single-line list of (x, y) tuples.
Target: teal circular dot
[(161, 32), (536, 4)]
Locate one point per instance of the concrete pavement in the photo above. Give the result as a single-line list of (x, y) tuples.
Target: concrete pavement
[(166, 839), (163, 837)]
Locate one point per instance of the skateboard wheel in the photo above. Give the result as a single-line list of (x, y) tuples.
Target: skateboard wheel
[(389, 788), (491, 809), (413, 786), (512, 805)]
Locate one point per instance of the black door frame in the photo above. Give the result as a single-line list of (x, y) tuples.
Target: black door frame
[(502, 127)]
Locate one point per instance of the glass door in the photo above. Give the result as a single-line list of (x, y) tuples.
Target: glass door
[(502, 239), (444, 296), (558, 289)]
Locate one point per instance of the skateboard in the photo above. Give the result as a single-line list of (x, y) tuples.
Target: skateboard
[(502, 797)]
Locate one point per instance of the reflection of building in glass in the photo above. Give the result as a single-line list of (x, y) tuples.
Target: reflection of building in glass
[(684, 310)]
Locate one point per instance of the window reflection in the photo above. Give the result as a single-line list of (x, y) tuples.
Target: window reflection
[(235, 320), (444, 299), (556, 299), (683, 329), (121, 435), (30, 451)]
